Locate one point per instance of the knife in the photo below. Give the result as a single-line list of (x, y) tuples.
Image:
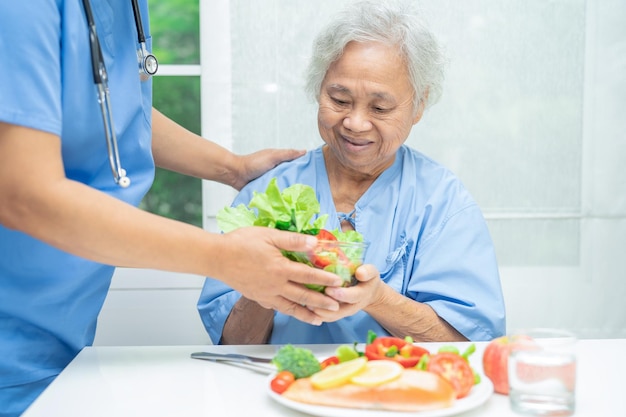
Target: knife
[(262, 365)]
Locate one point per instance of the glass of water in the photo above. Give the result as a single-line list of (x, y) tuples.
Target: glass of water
[(542, 372)]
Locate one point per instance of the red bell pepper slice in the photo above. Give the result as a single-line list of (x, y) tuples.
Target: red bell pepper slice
[(331, 360), (394, 348)]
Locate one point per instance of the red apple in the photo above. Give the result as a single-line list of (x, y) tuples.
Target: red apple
[(496, 362)]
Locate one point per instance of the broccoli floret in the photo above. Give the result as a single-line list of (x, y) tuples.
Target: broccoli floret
[(299, 361)]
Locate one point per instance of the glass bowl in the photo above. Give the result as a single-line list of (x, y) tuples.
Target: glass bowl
[(341, 258)]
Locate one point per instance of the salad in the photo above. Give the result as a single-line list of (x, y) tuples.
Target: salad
[(447, 362), (297, 209)]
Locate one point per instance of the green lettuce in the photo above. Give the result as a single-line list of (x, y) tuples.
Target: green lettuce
[(292, 209)]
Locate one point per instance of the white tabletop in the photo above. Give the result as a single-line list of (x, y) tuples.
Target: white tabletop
[(164, 381)]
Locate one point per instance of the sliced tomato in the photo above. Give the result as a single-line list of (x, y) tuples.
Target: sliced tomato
[(325, 235), (282, 381), (455, 369), (324, 255), (332, 360), (321, 260), (394, 348)]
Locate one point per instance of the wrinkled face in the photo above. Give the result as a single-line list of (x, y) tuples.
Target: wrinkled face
[(366, 107)]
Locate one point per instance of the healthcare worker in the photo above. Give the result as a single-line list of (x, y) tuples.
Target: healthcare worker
[(68, 210)]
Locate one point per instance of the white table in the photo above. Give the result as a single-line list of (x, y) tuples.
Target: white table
[(164, 381)]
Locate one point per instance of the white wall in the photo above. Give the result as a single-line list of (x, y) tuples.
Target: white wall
[(532, 120)]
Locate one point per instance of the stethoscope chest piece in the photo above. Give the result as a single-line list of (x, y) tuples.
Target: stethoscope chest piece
[(148, 64)]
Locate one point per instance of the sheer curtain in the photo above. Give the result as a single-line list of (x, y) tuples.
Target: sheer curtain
[(531, 120)]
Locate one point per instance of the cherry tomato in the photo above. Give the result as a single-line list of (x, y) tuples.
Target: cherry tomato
[(455, 369), (394, 348), (282, 381), (332, 360)]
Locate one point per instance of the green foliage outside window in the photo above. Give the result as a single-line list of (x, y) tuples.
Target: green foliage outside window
[(173, 195), (175, 28)]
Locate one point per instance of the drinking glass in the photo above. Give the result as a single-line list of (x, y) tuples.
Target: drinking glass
[(542, 372)]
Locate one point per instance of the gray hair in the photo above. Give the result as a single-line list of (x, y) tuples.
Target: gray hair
[(391, 22)]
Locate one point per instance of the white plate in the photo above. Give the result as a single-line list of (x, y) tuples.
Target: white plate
[(477, 396)]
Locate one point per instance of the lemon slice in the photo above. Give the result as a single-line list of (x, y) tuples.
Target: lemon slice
[(339, 374), (378, 372)]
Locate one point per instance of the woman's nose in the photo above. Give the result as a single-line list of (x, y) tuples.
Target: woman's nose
[(357, 121)]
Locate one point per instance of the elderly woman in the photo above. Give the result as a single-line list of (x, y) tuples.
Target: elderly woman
[(430, 270)]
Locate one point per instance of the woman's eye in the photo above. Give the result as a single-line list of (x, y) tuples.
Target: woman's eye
[(380, 110), (339, 101)]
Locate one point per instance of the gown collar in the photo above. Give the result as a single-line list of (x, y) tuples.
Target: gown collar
[(384, 179)]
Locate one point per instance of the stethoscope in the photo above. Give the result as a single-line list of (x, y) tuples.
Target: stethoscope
[(148, 66)]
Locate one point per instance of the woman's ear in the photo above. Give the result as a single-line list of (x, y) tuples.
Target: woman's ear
[(420, 108)]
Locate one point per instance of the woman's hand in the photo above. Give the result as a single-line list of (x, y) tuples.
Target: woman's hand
[(251, 262), (256, 164), (358, 297)]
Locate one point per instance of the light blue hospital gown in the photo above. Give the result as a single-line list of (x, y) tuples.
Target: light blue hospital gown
[(427, 237), (50, 300)]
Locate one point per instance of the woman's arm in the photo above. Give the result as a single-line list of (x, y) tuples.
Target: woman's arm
[(248, 324), (177, 149), (400, 315), (37, 199)]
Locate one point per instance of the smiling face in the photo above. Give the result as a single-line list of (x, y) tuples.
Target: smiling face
[(366, 108)]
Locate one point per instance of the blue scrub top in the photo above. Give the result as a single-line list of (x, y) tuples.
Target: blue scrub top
[(50, 300), (427, 237)]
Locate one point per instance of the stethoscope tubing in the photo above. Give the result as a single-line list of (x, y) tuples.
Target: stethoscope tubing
[(148, 66), (119, 173), (141, 37), (97, 61)]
